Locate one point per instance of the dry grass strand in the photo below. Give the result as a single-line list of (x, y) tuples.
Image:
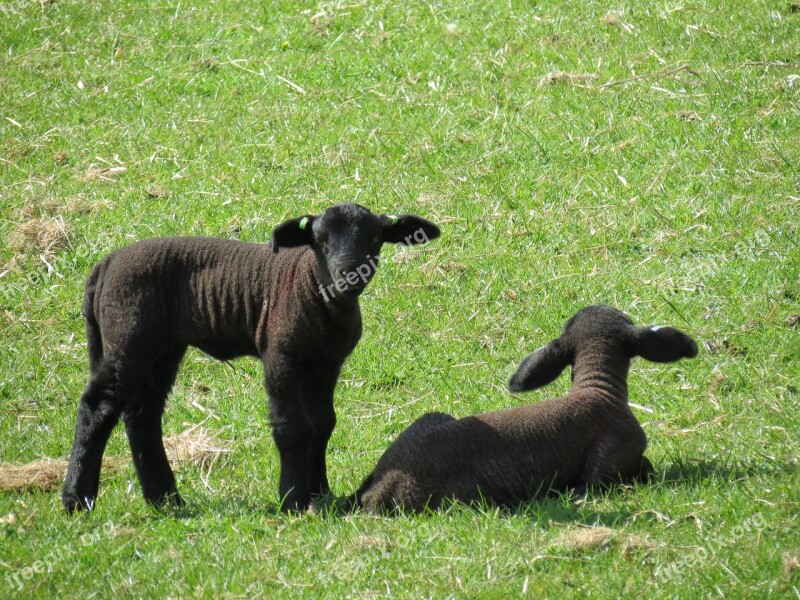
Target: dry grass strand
[(194, 447)]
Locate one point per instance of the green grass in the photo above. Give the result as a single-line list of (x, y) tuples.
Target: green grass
[(662, 178)]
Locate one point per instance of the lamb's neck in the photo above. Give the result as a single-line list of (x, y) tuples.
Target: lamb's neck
[(336, 304), (602, 367)]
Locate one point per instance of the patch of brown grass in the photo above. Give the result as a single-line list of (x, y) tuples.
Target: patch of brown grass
[(588, 539), (321, 21), (106, 173), (194, 447), (73, 205), (791, 562), (48, 235), (687, 115), (13, 265), (555, 77), (614, 19), (46, 474), (155, 191), (369, 542)]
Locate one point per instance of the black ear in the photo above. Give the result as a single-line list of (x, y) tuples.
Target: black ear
[(661, 344), (296, 232), (408, 229), (541, 367)]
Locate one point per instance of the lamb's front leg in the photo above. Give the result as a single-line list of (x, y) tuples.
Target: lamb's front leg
[(318, 400), (292, 430)]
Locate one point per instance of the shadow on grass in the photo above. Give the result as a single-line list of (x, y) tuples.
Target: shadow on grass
[(237, 505), (229, 506), (572, 507), (689, 471), (551, 509), (556, 509)]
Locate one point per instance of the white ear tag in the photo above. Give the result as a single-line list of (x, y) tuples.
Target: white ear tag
[(655, 328)]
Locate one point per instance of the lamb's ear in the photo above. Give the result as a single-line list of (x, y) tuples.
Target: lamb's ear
[(408, 229), (541, 367), (661, 344), (296, 232)]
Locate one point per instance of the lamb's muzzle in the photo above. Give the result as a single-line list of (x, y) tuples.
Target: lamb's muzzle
[(589, 437), (145, 304)]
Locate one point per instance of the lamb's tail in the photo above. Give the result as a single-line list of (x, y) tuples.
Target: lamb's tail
[(355, 501), (94, 336)]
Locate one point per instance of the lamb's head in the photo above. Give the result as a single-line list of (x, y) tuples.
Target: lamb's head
[(347, 240), (600, 327)]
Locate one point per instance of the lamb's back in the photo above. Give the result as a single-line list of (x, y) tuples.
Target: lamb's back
[(205, 292)]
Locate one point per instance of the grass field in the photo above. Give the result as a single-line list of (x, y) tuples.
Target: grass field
[(643, 155)]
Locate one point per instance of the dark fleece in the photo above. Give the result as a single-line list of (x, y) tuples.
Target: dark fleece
[(589, 437), (227, 298)]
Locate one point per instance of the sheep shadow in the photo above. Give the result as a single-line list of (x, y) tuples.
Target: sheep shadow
[(549, 510), (682, 472), (569, 507), (553, 509), (198, 506)]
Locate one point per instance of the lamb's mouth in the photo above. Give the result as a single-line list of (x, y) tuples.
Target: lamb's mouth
[(345, 289), (355, 290)]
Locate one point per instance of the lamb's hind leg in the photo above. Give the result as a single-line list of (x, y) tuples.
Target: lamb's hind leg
[(143, 427), (375, 493), (645, 472), (98, 413), (613, 462)]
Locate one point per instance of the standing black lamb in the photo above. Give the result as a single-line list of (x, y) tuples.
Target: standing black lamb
[(293, 303), (588, 437)]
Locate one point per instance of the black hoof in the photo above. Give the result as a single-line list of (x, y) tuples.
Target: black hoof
[(166, 500), (295, 505), (73, 504)]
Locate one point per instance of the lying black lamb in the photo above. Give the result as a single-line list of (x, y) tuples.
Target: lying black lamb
[(588, 437)]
